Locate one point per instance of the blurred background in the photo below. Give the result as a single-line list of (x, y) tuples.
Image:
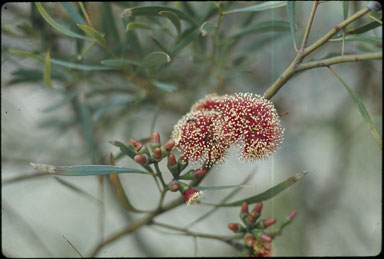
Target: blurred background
[(115, 88)]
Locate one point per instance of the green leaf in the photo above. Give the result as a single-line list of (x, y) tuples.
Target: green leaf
[(108, 22), (26, 54), (292, 17), (119, 62), (362, 38), (137, 25), (155, 59), (120, 193), (185, 38), (72, 12), (364, 113), (364, 28), (207, 28), (173, 18), (77, 189), (55, 25), (216, 188), (26, 75), (47, 70), (159, 44), (99, 37), (259, 7), (261, 27), (164, 86), (110, 105), (129, 151), (154, 11), (83, 170), (268, 194)]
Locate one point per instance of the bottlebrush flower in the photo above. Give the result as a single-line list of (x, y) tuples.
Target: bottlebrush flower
[(249, 121), (197, 136), (262, 249), (192, 196)]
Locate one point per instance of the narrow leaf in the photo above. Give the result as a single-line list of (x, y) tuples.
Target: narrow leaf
[(137, 25), (364, 28), (83, 170), (364, 113), (55, 25), (207, 28), (292, 17), (362, 38), (216, 188), (165, 86), (185, 39), (119, 62), (155, 59), (120, 193), (259, 7), (99, 37), (47, 70), (72, 12), (154, 11), (268, 194), (173, 18)]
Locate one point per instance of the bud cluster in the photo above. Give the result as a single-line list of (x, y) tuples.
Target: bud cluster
[(257, 240), (215, 123), (143, 156)]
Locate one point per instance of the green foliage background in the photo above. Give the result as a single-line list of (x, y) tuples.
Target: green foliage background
[(68, 90)]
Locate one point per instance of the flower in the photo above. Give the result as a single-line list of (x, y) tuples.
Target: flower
[(262, 248), (197, 136), (192, 196), (215, 123)]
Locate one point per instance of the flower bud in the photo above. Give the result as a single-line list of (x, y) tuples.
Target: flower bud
[(174, 186), (265, 223), (155, 141), (194, 174), (235, 227), (244, 211), (200, 172), (288, 219), (142, 159), (249, 240), (258, 207), (139, 147), (169, 145), (251, 218), (172, 165), (265, 237), (192, 196), (157, 155), (183, 163)]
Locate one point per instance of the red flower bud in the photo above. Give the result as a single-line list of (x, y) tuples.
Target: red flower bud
[(171, 160), (155, 138), (292, 215), (258, 207), (141, 159), (169, 145), (192, 196), (173, 186), (269, 222), (157, 154), (265, 237), (136, 144), (249, 240), (244, 207), (200, 172)]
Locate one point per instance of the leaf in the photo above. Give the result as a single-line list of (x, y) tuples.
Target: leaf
[(261, 27), (364, 113), (137, 25), (72, 12), (76, 189), (364, 28), (173, 18), (99, 37), (120, 193), (185, 38), (159, 44), (154, 60), (154, 11), (109, 24), (268, 194), (111, 105), (216, 188), (26, 54), (292, 18), (119, 62), (47, 70), (206, 28), (259, 7), (84, 170), (164, 86), (55, 25), (129, 151), (362, 38)]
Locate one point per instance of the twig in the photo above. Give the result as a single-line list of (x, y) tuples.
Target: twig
[(74, 248), (309, 25)]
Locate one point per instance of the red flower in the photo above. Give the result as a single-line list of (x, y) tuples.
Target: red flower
[(216, 122), (197, 136), (192, 196)]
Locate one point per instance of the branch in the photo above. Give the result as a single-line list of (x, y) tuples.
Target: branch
[(338, 60), (309, 25)]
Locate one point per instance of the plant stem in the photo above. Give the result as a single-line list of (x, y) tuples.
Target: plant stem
[(158, 173), (197, 234), (309, 24), (292, 68), (338, 60), (219, 20)]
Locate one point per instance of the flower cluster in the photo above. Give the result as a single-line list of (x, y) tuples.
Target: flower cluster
[(256, 241), (215, 123)]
